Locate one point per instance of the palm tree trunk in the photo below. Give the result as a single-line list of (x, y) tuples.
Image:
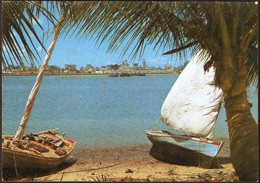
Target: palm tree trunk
[(243, 129), (35, 89), (231, 76), (243, 137)]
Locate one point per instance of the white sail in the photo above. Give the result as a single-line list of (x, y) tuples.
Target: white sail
[(193, 102)]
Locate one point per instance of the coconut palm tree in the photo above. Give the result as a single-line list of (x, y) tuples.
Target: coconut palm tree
[(20, 17), (32, 96), (228, 31)]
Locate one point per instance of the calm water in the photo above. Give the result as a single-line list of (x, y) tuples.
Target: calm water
[(95, 111)]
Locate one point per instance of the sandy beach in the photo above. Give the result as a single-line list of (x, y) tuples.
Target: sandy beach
[(127, 164)]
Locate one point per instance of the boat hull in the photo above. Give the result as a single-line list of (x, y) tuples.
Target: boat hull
[(183, 150), (27, 159)]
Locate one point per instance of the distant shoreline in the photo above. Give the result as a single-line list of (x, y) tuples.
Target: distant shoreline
[(80, 74)]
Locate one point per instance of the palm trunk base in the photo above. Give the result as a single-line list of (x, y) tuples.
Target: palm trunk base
[(243, 132)]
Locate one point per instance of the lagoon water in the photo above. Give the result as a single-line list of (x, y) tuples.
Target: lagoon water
[(96, 111)]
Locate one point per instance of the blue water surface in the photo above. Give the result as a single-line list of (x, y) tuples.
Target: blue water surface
[(96, 111)]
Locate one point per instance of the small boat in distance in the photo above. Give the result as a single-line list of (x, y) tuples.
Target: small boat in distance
[(43, 150), (125, 74), (191, 107)]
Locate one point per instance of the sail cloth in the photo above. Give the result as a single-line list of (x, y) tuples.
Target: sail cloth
[(193, 102)]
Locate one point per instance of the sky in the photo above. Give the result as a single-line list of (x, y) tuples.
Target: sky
[(86, 51), (71, 50), (82, 52)]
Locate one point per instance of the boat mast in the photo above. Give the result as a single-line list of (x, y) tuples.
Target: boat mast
[(35, 89)]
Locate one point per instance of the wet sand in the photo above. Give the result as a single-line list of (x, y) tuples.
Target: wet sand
[(127, 164)]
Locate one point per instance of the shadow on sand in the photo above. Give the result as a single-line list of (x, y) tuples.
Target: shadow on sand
[(184, 157), (11, 174), (219, 161)]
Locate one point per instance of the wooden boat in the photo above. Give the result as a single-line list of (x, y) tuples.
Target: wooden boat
[(191, 107), (43, 150), (184, 150)]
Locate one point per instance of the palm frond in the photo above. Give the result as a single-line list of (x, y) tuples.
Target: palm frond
[(252, 64), (20, 18), (140, 23)]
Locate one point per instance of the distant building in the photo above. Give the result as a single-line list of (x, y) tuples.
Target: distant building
[(103, 67), (115, 67), (70, 67), (135, 66), (53, 69), (89, 66), (144, 64), (89, 69), (109, 67), (125, 65), (98, 71)]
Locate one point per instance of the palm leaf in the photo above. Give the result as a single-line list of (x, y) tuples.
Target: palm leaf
[(19, 35)]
